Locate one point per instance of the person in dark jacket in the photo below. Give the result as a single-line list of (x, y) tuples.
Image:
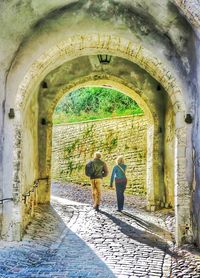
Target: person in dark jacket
[(119, 176), (100, 170)]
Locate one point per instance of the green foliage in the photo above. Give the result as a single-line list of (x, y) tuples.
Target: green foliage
[(88, 131), (94, 103), (69, 149), (112, 144), (69, 166)]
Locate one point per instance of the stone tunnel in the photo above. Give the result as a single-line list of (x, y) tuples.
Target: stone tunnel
[(50, 49)]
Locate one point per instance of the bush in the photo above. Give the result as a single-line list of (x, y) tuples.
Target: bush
[(94, 103)]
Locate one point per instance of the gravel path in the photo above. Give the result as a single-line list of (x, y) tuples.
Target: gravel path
[(82, 194)]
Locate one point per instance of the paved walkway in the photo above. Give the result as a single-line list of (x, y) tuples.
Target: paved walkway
[(70, 239)]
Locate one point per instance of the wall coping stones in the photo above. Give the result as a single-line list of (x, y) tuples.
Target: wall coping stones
[(103, 119)]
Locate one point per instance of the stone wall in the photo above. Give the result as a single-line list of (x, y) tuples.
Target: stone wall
[(196, 157), (44, 38), (169, 142), (74, 145)]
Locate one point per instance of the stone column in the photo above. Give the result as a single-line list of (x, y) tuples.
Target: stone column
[(154, 180), (151, 205), (45, 142), (1, 144), (12, 213), (183, 231), (196, 149)]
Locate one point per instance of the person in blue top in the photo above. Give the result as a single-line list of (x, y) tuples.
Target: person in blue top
[(119, 176)]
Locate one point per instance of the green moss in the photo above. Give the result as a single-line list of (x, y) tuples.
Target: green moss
[(110, 142), (88, 131), (69, 167), (79, 166), (113, 142), (69, 149)]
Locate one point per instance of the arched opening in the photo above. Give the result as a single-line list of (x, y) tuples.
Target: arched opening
[(154, 175), (100, 118), (155, 192), (25, 133)]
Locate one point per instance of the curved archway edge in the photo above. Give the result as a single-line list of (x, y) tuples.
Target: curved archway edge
[(153, 138), (93, 44), (101, 43)]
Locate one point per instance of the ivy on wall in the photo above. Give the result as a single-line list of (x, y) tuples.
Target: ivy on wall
[(113, 137)]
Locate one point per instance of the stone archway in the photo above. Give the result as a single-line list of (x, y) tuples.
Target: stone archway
[(94, 44), (152, 166), (101, 43)]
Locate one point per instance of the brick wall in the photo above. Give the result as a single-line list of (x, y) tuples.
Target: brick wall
[(74, 145)]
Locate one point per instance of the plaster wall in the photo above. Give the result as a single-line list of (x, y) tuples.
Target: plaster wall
[(14, 214), (30, 158), (169, 154), (30, 145), (196, 150)]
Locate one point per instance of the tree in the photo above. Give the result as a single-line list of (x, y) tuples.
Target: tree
[(98, 102)]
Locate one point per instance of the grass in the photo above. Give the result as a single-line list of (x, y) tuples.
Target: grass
[(60, 117)]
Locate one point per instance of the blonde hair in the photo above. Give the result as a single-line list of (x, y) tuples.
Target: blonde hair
[(97, 155), (120, 159)]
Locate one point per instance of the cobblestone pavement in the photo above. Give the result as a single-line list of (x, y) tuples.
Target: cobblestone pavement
[(70, 239)]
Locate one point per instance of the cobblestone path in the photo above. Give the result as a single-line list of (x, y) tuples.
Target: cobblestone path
[(70, 240)]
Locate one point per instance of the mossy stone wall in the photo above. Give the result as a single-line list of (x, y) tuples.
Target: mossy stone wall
[(75, 144)]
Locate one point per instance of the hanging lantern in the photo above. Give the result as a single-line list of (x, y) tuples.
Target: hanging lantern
[(104, 59)]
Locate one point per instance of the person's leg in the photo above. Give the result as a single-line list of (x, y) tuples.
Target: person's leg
[(94, 193), (98, 190), (118, 193), (123, 187), (120, 188)]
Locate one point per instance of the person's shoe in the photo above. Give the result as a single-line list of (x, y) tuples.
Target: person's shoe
[(97, 208), (119, 210)]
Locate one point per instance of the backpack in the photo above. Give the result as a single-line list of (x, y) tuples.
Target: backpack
[(89, 169)]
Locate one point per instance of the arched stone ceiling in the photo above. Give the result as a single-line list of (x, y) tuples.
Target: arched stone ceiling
[(153, 19), (93, 44), (88, 70), (156, 26), (191, 10)]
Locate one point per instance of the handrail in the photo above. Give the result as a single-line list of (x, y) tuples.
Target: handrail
[(26, 194), (5, 199), (35, 185)]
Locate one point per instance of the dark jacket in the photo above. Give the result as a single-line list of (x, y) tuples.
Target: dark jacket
[(100, 169)]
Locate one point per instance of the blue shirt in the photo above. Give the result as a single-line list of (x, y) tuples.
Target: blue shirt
[(117, 173)]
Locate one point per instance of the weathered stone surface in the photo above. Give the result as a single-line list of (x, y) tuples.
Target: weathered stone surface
[(74, 145), (191, 9)]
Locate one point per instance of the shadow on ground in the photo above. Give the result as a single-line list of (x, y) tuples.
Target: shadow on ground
[(141, 236), (152, 228), (35, 256)]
